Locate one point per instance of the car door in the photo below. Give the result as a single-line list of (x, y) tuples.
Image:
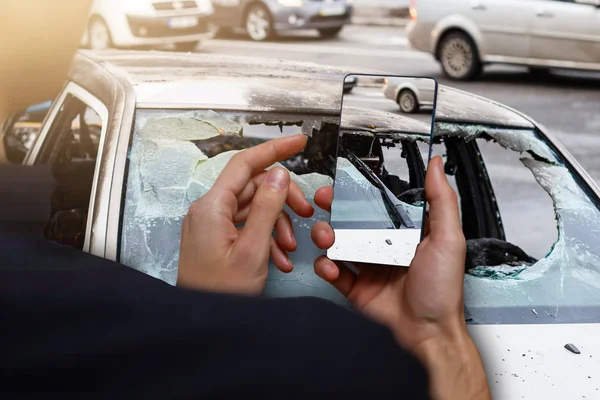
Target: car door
[(427, 91), (504, 26), (68, 146), (566, 33)]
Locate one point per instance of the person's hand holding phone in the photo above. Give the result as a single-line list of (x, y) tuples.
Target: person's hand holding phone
[(423, 305), (218, 255)]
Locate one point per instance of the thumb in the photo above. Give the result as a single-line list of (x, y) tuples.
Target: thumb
[(444, 217), (265, 209)]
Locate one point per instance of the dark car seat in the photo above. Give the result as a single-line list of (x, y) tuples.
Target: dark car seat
[(74, 177)]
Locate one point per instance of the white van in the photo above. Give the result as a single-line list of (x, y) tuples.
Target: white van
[(127, 23)]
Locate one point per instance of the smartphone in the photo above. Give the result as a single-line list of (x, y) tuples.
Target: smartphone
[(383, 148)]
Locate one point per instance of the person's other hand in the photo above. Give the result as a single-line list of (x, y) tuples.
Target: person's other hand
[(423, 305), (215, 254)]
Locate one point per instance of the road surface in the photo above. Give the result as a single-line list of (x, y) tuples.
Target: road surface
[(567, 104)]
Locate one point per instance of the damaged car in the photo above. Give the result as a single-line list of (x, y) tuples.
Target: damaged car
[(135, 137)]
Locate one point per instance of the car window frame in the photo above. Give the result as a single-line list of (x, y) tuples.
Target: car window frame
[(472, 190), (91, 101)]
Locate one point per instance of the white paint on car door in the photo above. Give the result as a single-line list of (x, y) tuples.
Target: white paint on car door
[(426, 91), (566, 33), (504, 25)]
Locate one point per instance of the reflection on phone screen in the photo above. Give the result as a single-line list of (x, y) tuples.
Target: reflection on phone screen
[(382, 153)]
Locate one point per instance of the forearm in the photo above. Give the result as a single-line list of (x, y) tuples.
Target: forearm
[(455, 368)]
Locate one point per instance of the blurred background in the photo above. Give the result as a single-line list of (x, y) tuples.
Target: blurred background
[(395, 36)]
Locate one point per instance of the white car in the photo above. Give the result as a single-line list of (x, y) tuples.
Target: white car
[(520, 316), (464, 35), (127, 23), (410, 93)]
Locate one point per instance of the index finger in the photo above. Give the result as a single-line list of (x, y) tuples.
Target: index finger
[(247, 163)]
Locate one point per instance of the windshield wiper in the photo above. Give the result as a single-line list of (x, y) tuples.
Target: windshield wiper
[(395, 205)]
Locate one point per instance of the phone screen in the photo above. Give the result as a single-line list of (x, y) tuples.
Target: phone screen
[(384, 146)]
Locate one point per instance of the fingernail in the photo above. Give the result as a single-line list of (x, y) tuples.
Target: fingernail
[(289, 262), (277, 178)]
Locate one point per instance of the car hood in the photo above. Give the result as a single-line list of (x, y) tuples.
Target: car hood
[(531, 362)]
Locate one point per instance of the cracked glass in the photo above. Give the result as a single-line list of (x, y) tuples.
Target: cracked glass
[(555, 280)]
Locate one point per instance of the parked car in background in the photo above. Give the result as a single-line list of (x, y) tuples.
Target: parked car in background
[(465, 35), (264, 19), (132, 144), (125, 23), (410, 93)]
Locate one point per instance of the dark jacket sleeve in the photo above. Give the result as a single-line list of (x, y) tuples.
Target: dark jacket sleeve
[(76, 326)]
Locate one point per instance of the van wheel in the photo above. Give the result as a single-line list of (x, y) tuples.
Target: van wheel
[(459, 57), (99, 35), (408, 102)]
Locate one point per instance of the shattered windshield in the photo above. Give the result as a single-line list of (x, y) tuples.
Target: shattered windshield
[(174, 159), (359, 185), (505, 284), (519, 272)]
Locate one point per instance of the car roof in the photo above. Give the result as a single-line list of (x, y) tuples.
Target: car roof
[(186, 80)]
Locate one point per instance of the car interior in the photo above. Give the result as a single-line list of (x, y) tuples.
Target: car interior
[(481, 218), (369, 149), (71, 151), (480, 213)]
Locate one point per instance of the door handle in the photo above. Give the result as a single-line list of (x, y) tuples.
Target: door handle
[(479, 7)]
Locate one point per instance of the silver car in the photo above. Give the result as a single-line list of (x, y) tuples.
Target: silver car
[(410, 93), (152, 23), (264, 19), (465, 35), (123, 195)]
